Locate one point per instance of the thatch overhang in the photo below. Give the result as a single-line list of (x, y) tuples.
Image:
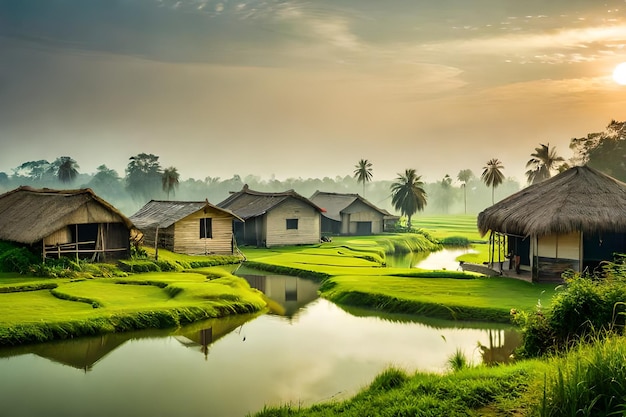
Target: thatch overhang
[(28, 215), (335, 203), (163, 214), (248, 203), (579, 199)]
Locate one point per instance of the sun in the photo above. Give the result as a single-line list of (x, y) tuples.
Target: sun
[(619, 73)]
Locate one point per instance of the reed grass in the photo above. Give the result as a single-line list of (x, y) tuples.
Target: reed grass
[(588, 381)]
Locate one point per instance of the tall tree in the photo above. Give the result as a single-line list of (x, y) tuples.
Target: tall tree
[(492, 175), (445, 196), (143, 176), (363, 172), (34, 170), (604, 151), (542, 163), (464, 176), (169, 180), (66, 169), (408, 195)]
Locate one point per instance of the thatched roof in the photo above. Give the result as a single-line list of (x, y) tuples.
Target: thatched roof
[(248, 203), (335, 203), (27, 215), (579, 199), (163, 214)]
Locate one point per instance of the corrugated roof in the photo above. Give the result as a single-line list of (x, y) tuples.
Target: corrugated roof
[(27, 215), (248, 203), (163, 214), (579, 199)]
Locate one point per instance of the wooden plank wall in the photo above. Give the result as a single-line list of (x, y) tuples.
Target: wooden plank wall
[(187, 234), (308, 231)]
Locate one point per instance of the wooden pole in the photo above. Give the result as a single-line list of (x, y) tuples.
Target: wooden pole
[(156, 244)]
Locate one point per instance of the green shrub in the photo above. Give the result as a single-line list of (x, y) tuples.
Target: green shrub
[(460, 241), (588, 381), (389, 379), (17, 259)]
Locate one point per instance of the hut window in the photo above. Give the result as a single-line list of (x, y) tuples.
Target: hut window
[(292, 224), (206, 229)]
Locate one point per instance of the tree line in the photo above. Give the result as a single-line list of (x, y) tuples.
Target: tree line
[(145, 179)]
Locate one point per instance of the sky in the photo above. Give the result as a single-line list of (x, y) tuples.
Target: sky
[(297, 88)]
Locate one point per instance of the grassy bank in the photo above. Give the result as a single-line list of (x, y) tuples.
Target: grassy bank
[(475, 299), (39, 310)]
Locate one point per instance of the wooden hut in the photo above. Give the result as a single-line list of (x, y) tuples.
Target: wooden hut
[(74, 223), (191, 227), (571, 221), (273, 219), (350, 214)]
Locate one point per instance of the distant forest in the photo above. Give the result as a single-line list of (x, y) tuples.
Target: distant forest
[(145, 179)]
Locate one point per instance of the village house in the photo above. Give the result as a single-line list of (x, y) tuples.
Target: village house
[(190, 227), (70, 223), (273, 219), (572, 221), (351, 214)]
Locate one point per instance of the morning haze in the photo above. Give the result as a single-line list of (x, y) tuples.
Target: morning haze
[(296, 89)]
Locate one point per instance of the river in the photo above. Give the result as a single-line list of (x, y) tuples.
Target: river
[(305, 351)]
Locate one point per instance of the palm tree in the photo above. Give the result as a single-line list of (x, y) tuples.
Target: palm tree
[(492, 175), (66, 169), (464, 176), (542, 162), (363, 172), (169, 179), (408, 195)]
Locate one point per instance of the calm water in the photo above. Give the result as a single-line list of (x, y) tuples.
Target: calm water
[(443, 259), (307, 350)]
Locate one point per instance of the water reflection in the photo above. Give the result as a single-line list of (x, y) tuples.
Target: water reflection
[(317, 351), (442, 259), (287, 294)]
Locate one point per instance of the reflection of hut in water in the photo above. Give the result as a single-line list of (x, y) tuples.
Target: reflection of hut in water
[(291, 293), (502, 344), (82, 353), (207, 332)]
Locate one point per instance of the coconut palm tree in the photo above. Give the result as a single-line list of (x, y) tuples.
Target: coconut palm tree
[(363, 172), (542, 163), (492, 175), (408, 195), (66, 169), (464, 176), (169, 179)]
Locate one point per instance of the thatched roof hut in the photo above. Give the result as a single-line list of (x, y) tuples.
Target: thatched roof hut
[(579, 199), (64, 222), (581, 207)]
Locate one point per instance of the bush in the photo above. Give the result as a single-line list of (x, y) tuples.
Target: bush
[(17, 259), (460, 241)]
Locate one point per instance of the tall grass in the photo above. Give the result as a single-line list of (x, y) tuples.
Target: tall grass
[(589, 381)]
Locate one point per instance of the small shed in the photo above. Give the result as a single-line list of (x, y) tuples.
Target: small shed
[(273, 219), (351, 214), (572, 221), (190, 227), (74, 223)]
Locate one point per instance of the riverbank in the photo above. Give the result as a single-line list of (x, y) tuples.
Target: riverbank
[(37, 310)]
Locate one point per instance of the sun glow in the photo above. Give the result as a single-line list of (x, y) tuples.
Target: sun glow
[(619, 73)]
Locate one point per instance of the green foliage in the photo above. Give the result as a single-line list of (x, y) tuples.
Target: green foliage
[(458, 361), (588, 381), (461, 241), (16, 258), (586, 306), (538, 335), (390, 378)]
